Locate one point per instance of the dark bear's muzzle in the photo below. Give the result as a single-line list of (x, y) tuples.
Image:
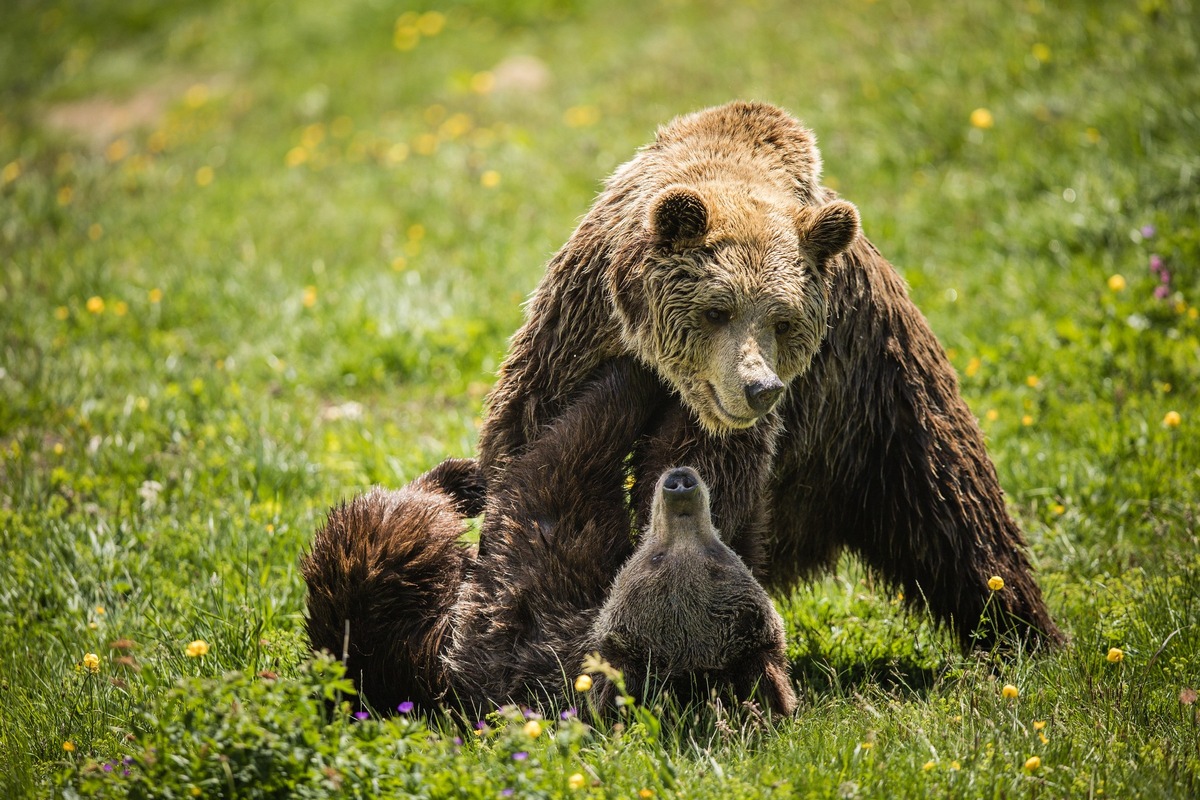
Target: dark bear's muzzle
[(681, 492)]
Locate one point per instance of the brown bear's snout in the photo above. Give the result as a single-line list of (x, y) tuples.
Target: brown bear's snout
[(763, 394)]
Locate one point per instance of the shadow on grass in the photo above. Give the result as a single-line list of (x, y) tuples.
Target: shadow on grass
[(820, 675)]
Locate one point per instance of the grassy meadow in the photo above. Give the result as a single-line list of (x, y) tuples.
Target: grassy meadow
[(259, 256)]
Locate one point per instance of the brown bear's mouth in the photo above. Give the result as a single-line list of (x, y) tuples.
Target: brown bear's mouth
[(730, 420)]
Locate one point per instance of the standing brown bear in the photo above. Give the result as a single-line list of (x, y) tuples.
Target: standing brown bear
[(812, 440)]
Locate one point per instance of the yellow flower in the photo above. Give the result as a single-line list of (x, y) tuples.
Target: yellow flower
[(645, 793), (431, 23), (69, 746), (576, 781), (583, 683), (483, 82), (204, 176), (490, 179), (196, 95), (1033, 763), (1041, 52), (581, 116), (954, 765), (197, 648), (92, 662), (992, 415), (1116, 283), (1115, 654), (295, 157), (1172, 419), (61, 313), (995, 583), (973, 366), (1027, 420), (1010, 692), (1042, 736), (982, 118), (1059, 509), (310, 296), (12, 171), (155, 295), (533, 729), (928, 765), (1039, 724), (99, 609), (95, 304)]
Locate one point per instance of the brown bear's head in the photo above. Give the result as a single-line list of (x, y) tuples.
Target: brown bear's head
[(730, 303)]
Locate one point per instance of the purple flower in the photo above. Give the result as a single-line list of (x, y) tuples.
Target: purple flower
[(1156, 262), (1165, 276), (107, 767), (529, 713), (458, 741), (405, 707), (1162, 291), (1148, 231), (124, 773), (506, 793), (128, 759), (521, 756), (569, 713), (362, 714), (480, 725)]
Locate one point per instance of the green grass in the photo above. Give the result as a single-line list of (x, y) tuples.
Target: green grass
[(186, 321)]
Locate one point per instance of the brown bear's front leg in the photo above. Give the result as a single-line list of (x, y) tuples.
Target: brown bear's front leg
[(882, 455)]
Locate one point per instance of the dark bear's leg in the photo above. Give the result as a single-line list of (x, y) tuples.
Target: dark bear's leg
[(382, 575), (556, 530), (463, 482), (882, 455)]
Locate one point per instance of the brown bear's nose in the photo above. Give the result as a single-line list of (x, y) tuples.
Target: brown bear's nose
[(761, 395)]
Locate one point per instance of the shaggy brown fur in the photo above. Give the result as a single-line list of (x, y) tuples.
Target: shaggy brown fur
[(432, 620), (694, 253), (685, 611), (382, 575)]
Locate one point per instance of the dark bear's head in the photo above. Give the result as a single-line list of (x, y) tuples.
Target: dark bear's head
[(686, 613), (731, 302)]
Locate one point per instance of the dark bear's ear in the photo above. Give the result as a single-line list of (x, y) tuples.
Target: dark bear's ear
[(827, 230), (678, 216)]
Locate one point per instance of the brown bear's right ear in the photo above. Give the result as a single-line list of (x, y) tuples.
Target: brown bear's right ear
[(827, 230), (678, 216)]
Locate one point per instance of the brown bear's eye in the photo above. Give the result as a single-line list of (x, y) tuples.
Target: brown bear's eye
[(717, 316), (781, 328)]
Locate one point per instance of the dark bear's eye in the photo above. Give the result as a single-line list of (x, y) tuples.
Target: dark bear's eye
[(717, 316), (781, 328), (657, 558)]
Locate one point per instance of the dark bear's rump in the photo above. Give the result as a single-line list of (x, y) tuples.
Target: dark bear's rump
[(382, 575)]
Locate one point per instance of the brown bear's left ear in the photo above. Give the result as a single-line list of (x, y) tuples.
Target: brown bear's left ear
[(678, 216), (827, 230)]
